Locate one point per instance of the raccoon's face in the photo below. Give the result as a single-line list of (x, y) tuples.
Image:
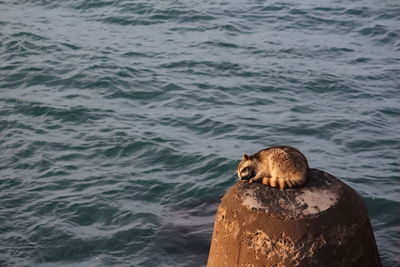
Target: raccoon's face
[(246, 168)]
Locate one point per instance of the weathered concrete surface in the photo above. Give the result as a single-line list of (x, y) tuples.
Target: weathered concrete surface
[(322, 223)]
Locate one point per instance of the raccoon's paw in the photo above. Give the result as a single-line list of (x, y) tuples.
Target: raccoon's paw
[(265, 180)]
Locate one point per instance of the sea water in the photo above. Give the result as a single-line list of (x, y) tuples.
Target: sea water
[(122, 122)]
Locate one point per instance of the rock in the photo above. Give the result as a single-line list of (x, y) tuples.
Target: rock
[(321, 223)]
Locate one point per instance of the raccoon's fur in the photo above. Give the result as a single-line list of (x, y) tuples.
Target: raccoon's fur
[(282, 166)]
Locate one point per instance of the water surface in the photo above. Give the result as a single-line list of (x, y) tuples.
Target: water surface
[(122, 122)]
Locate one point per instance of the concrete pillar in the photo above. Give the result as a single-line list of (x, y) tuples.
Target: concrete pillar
[(322, 223)]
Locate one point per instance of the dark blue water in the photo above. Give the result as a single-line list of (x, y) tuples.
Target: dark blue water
[(122, 122)]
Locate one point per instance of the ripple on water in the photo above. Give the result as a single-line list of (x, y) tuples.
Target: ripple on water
[(122, 122)]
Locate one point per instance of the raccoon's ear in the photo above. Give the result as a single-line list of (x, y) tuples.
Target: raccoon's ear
[(245, 156)]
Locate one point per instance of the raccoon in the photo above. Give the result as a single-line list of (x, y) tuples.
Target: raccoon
[(282, 166)]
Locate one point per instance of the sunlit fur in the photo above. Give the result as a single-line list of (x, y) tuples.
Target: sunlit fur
[(282, 166)]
